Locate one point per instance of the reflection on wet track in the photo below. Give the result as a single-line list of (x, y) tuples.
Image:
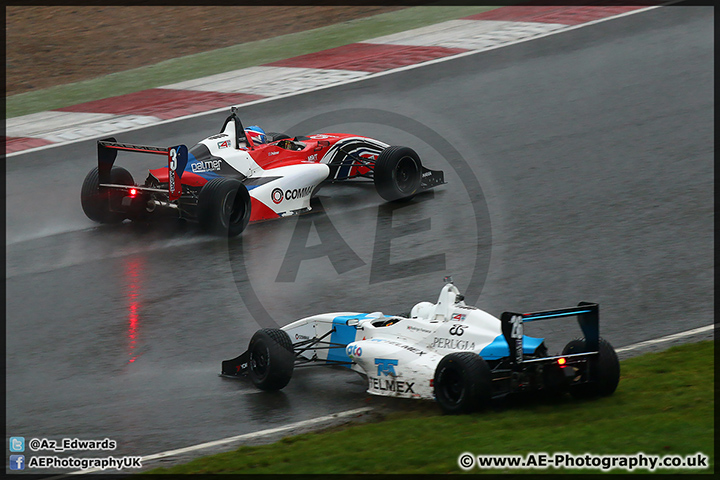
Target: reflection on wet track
[(133, 276)]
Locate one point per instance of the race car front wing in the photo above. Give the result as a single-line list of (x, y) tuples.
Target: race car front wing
[(239, 366)]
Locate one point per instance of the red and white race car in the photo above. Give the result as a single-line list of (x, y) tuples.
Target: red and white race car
[(241, 175)]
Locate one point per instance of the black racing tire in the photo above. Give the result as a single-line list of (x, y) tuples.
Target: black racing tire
[(274, 136), (462, 383), (397, 173), (223, 207), (604, 370), (271, 360), (96, 204)]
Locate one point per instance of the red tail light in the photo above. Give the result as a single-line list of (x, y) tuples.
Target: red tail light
[(133, 192)]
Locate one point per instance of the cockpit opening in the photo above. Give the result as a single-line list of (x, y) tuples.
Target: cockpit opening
[(386, 322)]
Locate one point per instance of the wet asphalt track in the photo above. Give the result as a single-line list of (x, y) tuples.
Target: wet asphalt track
[(582, 170)]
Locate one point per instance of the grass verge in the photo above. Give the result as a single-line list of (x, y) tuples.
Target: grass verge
[(664, 405), (233, 58)]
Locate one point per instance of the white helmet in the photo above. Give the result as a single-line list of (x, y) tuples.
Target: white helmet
[(422, 310)]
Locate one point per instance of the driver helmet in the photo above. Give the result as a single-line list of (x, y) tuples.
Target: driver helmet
[(422, 310), (256, 134)]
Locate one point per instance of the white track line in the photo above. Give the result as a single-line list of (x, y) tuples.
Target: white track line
[(360, 79), (667, 338), (245, 436), (359, 411), (260, 434)]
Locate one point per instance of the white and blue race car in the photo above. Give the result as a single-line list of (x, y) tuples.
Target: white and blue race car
[(454, 353)]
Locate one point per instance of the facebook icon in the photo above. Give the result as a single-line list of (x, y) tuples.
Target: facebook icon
[(17, 462)]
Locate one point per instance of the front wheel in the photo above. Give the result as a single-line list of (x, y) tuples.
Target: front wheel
[(224, 207), (272, 359), (603, 370), (462, 383), (397, 173)]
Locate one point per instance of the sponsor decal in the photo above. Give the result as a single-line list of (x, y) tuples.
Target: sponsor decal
[(206, 166), (224, 144), (517, 334), (277, 196), (407, 347), (298, 193), (273, 153), (412, 349), (386, 366), (452, 344), (426, 174), (391, 385), (459, 317), (457, 330), (354, 351), (301, 337), (312, 157), (321, 136), (418, 329), (417, 351), (172, 166)]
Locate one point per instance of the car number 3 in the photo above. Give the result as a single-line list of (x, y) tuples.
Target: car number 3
[(173, 159)]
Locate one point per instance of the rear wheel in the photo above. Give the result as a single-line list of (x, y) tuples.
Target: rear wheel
[(272, 359), (462, 383), (603, 370), (224, 207), (96, 203), (397, 173)]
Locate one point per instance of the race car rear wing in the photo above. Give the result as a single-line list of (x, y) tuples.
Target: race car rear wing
[(588, 315), (177, 161)]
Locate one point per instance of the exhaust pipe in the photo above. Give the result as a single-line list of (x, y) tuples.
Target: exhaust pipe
[(152, 204)]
